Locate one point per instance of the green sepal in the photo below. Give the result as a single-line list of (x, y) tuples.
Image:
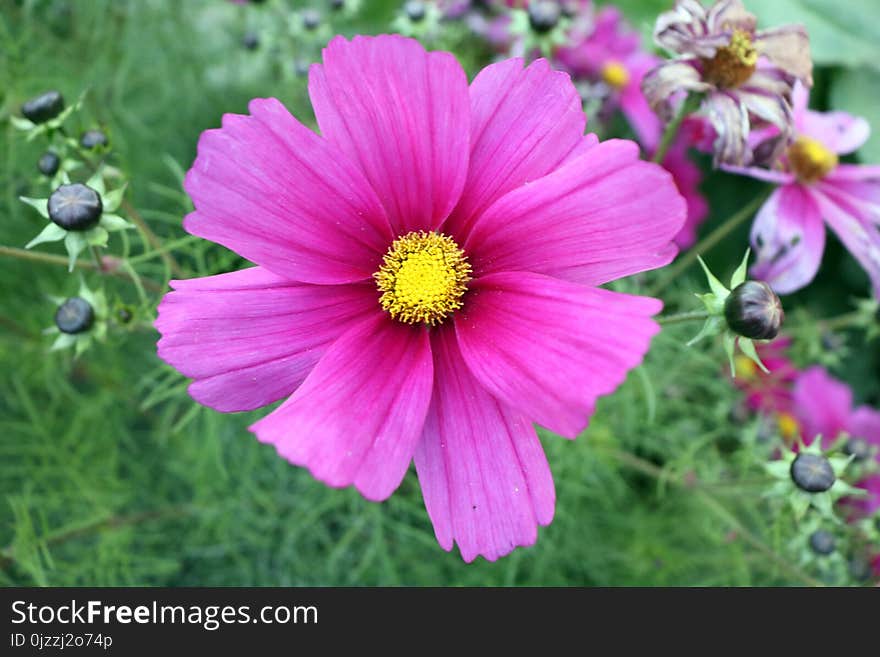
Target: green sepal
[(75, 243), (81, 345), (63, 341), (112, 200), (51, 233), (747, 346), (21, 123), (715, 285), (96, 182), (97, 236), (41, 205), (113, 222), (739, 276), (729, 342), (709, 328)]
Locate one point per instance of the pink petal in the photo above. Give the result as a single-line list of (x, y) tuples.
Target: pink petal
[(482, 469), (822, 404), (841, 132), (865, 423), (524, 123), (358, 416), (788, 236), (550, 348), (634, 105), (402, 114), (854, 223), (250, 337), (277, 194), (855, 172), (604, 215), (687, 177)]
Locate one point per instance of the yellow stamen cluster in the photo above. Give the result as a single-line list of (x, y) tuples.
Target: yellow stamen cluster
[(788, 426), (745, 368), (615, 75), (732, 64), (423, 278), (810, 159)]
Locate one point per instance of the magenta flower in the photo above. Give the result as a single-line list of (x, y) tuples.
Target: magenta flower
[(427, 279), (745, 75), (789, 232)]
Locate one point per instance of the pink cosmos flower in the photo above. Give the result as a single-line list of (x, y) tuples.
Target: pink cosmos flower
[(824, 406), (427, 277), (768, 393), (789, 232)]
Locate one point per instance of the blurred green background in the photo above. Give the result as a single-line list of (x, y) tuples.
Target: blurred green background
[(111, 475)]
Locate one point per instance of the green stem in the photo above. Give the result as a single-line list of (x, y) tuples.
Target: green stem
[(689, 106), (683, 317), (705, 244), (841, 321), (7, 555), (48, 258)]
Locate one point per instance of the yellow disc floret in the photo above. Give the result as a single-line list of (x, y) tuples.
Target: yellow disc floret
[(423, 278), (615, 75), (810, 159), (745, 368), (734, 63), (789, 428)]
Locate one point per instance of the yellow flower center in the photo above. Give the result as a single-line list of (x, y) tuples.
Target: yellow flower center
[(734, 63), (788, 426), (810, 159), (423, 278), (745, 367), (615, 75)]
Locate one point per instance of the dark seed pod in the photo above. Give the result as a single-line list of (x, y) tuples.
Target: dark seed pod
[(336, 5), (311, 19), (250, 41), (415, 10), (74, 316), (44, 107), (859, 569), (48, 163), (92, 138), (858, 448), (75, 207), (753, 310), (812, 473), (822, 542), (544, 15)]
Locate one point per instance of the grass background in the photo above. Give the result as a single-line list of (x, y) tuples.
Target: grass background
[(111, 475)]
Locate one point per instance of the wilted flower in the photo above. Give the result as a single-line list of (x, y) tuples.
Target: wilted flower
[(427, 277), (789, 232), (746, 75)]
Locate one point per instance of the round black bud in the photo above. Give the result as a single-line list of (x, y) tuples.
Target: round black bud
[(859, 569), (74, 316), (822, 542), (753, 310), (812, 473), (415, 10), (93, 138), (75, 207), (311, 19), (48, 163), (44, 107), (250, 41), (124, 315), (336, 5), (544, 15), (858, 448)]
